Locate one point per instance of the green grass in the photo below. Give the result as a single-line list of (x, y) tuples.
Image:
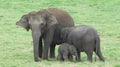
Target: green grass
[(16, 49)]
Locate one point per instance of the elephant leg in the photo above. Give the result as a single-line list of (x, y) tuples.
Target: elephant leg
[(89, 54), (45, 52), (79, 55), (70, 57), (65, 56), (40, 47), (36, 53), (47, 42), (100, 55), (60, 57), (36, 37), (52, 50)]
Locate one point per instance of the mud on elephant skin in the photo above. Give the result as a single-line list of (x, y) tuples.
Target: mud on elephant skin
[(45, 24), (66, 52), (84, 38)]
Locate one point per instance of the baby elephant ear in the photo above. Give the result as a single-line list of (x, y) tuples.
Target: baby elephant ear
[(23, 22)]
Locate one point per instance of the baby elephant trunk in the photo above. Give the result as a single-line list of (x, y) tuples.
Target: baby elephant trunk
[(73, 51), (77, 58)]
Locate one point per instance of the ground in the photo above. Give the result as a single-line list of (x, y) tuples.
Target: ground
[(16, 49)]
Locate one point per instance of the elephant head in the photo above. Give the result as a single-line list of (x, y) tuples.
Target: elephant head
[(72, 50), (38, 19), (65, 32), (24, 22), (39, 22)]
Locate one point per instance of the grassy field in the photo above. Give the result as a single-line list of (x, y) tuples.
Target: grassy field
[(16, 49)]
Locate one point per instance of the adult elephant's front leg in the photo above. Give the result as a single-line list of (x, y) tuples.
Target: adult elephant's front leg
[(47, 42), (40, 47), (52, 50), (36, 36)]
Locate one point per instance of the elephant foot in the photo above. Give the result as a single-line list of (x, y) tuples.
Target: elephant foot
[(78, 60), (52, 57), (71, 59), (90, 59), (44, 58), (37, 59), (102, 60), (66, 60)]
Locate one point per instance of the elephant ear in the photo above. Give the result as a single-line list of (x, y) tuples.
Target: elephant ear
[(71, 48), (64, 34), (50, 19), (24, 22)]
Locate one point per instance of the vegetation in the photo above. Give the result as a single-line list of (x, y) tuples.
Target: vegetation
[(16, 49)]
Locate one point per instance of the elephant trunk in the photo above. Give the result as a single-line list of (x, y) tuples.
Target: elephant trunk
[(36, 35), (77, 58)]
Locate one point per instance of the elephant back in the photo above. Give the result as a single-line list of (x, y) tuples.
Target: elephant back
[(64, 19)]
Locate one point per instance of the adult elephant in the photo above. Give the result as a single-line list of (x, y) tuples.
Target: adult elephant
[(85, 39), (46, 24)]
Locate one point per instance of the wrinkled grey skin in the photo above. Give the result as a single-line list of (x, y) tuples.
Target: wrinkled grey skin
[(65, 52), (84, 38), (45, 24)]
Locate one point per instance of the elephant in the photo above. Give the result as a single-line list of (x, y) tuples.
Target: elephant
[(65, 52), (85, 39), (46, 25)]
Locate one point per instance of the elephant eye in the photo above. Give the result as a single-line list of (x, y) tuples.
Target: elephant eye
[(42, 24)]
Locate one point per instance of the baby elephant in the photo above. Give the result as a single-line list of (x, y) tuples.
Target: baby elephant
[(65, 52), (84, 38)]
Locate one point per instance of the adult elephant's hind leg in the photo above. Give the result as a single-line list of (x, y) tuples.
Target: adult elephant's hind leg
[(52, 51), (100, 55)]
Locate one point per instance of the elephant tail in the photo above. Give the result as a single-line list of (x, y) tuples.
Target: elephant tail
[(97, 44)]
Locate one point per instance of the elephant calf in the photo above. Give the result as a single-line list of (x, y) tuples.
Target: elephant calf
[(65, 52), (84, 38)]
